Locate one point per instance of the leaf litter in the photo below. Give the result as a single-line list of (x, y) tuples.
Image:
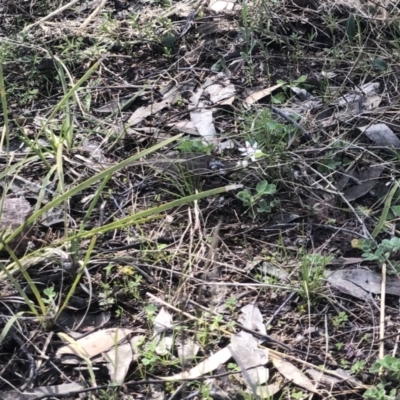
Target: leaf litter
[(195, 76)]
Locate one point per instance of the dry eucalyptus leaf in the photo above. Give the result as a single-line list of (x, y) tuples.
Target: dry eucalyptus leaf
[(185, 127), (187, 349), (93, 344), (162, 323), (203, 121), (164, 343), (368, 180), (119, 358), (250, 359), (381, 135), (293, 374), (253, 98), (208, 365), (361, 283), (320, 377), (222, 5), (143, 112), (252, 319), (222, 94)]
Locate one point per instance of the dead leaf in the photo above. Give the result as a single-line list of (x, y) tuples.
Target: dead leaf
[(381, 135), (361, 283), (293, 374), (252, 319), (187, 349), (143, 112), (208, 365), (253, 98), (93, 344), (163, 321), (372, 102), (185, 127), (162, 339), (250, 359), (368, 181), (221, 94), (119, 359), (203, 121), (221, 5)]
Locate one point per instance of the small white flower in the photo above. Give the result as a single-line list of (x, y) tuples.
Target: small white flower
[(251, 151)]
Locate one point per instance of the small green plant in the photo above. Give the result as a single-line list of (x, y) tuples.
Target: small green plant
[(358, 366), (194, 146), (389, 370), (297, 395), (379, 393), (383, 251), (312, 274), (389, 364), (339, 345), (105, 296), (341, 318), (50, 295), (151, 311), (150, 358), (344, 363), (231, 303), (255, 202), (265, 130), (233, 367)]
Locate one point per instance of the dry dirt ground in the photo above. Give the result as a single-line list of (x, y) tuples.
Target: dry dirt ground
[(241, 259)]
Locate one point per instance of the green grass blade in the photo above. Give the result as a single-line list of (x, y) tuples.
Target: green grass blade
[(385, 211)]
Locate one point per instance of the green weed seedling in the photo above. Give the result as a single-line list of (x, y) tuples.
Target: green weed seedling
[(255, 202), (194, 146), (389, 364), (340, 319), (379, 393), (358, 367), (312, 275), (382, 252), (388, 369)]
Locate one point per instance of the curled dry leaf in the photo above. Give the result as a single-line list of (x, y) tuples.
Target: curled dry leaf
[(93, 344), (143, 112)]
